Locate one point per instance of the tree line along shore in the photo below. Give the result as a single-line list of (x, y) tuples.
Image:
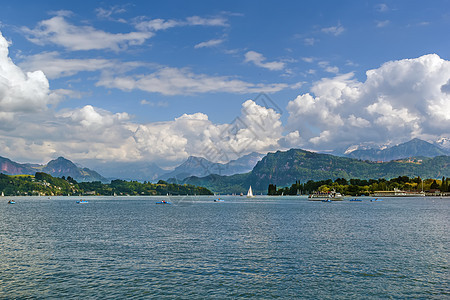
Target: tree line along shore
[(42, 184), (357, 187)]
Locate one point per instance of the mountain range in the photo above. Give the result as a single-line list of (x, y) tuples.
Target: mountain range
[(286, 167), (138, 171), (413, 148), (280, 168), (200, 167), (57, 168)]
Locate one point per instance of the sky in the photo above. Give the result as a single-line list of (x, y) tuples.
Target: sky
[(146, 81)]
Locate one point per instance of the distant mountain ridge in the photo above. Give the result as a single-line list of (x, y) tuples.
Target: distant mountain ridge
[(140, 171), (281, 168), (413, 148), (9, 167), (57, 168), (63, 167), (200, 167)]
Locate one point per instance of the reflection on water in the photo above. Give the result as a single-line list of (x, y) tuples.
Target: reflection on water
[(266, 247)]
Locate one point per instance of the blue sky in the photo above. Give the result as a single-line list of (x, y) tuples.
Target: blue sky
[(157, 82)]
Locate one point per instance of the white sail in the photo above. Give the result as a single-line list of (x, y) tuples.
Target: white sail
[(250, 192)]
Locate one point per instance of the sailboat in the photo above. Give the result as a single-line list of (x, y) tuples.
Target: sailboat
[(250, 193)]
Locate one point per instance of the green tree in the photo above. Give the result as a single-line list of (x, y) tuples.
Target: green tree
[(444, 185), (434, 185), (272, 190)]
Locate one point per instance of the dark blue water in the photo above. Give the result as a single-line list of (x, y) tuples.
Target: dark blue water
[(264, 247)]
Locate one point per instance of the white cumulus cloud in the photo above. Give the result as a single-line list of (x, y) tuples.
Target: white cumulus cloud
[(256, 129), (21, 91), (398, 101)]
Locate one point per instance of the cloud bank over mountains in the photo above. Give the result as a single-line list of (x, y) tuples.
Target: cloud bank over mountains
[(398, 101)]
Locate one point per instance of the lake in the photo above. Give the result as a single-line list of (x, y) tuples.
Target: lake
[(263, 247)]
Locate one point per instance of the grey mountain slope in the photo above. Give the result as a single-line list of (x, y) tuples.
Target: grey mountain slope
[(63, 167)]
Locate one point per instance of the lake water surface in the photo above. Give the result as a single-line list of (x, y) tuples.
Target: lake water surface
[(264, 247)]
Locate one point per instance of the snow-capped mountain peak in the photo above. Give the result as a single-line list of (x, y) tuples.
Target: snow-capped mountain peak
[(443, 142)]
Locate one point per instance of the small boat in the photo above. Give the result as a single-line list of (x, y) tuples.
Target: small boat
[(82, 201), (219, 200), (375, 200), (163, 202), (11, 202), (356, 200), (250, 193), (326, 200)]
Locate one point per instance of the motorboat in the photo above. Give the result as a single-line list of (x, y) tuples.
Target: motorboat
[(332, 196), (163, 202)]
